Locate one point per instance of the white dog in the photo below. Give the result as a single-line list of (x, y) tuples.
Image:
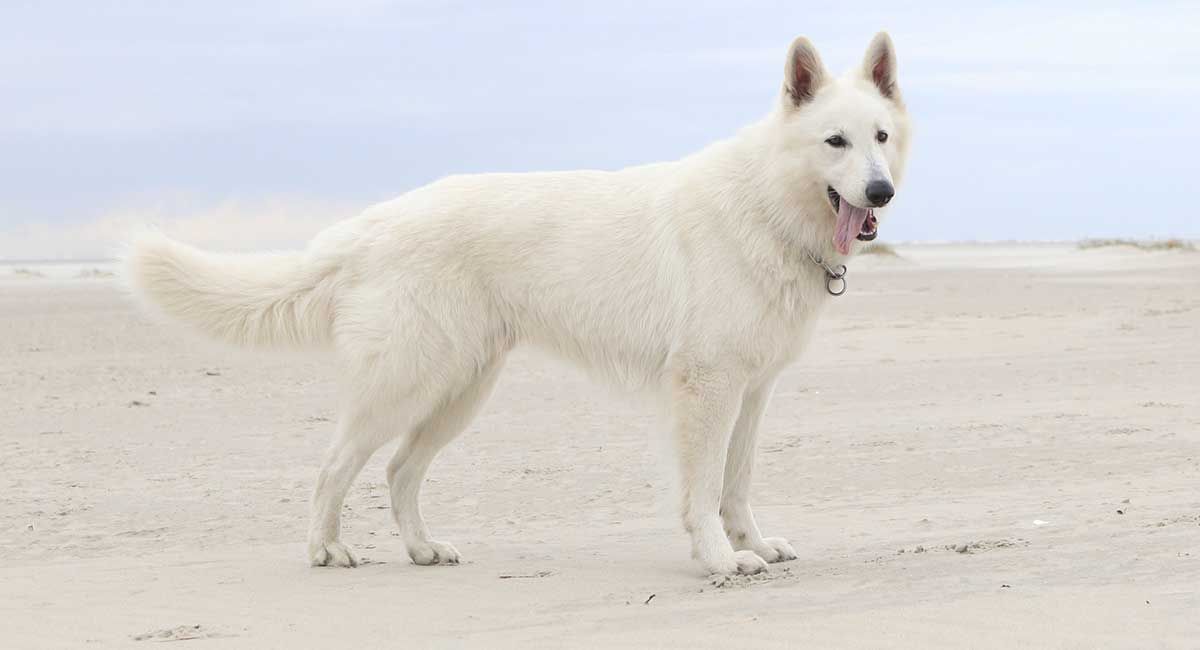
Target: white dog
[(698, 280)]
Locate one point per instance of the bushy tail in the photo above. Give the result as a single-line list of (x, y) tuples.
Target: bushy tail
[(265, 299)]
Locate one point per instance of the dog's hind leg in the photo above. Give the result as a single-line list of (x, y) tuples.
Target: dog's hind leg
[(360, 433), (406, 471), (739, 466)]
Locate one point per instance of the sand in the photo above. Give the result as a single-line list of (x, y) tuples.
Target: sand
[(986, 446)]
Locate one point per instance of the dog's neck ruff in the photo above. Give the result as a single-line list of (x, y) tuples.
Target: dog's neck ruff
[(835, 277)]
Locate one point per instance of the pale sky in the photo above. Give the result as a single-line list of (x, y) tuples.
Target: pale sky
[(244, 124)]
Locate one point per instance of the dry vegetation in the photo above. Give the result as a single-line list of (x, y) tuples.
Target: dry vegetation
[(1144, 245), (95, 273), (879, 248)]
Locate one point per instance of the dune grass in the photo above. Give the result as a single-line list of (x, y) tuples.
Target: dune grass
[(878, 248), (28, 273), (95, 273), (1142, 245)]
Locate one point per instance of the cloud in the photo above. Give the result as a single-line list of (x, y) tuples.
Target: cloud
[(1123, 50), (366, 98)]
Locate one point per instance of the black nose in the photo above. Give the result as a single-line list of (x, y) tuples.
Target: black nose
[(880, 192)]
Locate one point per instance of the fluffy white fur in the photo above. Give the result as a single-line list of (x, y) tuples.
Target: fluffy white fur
[(690, 279)]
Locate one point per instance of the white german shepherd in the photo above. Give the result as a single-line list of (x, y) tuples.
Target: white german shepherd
[(698, 280)]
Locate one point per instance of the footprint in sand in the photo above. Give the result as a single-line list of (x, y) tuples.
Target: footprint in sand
[(181, 633)]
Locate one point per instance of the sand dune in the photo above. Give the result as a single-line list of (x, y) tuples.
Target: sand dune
[(986, 446)]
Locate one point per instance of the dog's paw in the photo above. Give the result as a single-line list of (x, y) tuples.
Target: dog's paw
[(775, 549), (749, 563), (331, 554), (746, 563), (431, 552)]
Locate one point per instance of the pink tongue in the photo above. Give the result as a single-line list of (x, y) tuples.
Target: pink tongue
[(850, 222)]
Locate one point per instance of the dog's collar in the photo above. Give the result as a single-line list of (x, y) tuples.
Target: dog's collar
[(834, 276)]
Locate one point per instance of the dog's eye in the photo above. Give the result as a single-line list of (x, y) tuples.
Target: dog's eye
[(836, 141), (881, 136)]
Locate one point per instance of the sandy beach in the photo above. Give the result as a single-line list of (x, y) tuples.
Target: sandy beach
[(986, 446)]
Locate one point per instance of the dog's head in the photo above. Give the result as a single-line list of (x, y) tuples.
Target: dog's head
[(847, 138)]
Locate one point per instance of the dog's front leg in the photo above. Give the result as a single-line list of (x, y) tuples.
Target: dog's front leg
[(706, 402), (739, 466)]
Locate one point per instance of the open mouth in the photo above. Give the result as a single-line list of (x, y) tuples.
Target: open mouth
[(853, 222)]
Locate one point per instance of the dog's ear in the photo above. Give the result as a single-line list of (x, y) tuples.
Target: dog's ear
[(879, 66), (803, 74)]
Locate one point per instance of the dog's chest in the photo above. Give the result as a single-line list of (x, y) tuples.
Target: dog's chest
[(773, 327)]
